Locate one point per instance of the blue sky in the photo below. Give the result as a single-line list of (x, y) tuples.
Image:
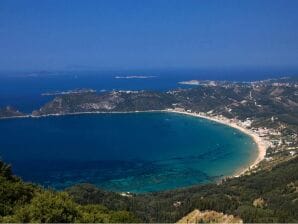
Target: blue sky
[(128, 34)]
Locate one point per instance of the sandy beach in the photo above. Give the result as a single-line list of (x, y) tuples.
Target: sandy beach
[(261, 144)]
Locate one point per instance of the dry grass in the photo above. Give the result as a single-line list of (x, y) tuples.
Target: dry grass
[(198, 216)]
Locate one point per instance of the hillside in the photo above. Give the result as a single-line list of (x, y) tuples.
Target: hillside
[(278, 189), (24, 202), (266, 196)]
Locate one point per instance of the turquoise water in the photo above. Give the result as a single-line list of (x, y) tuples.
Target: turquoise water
[(136, 152)]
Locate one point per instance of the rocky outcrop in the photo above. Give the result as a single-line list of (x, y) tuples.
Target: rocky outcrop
[(9, 112)]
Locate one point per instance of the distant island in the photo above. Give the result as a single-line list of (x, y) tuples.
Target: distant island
[(190, 82), (135, 77), (202, 82)]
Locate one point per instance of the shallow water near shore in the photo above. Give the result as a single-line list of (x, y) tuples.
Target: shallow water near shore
[(135, 152)]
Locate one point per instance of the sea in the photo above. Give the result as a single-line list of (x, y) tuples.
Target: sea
[(134, 152), (130, 152)]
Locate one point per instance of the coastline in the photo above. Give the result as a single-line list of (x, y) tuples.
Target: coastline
[(261, 144)]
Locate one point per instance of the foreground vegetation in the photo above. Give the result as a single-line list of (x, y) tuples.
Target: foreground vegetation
[(23, 202), (266, 196)]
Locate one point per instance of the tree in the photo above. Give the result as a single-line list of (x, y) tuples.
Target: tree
[(48, 207)]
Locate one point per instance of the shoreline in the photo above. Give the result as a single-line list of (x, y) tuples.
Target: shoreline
[(261, 144), (79, 113)]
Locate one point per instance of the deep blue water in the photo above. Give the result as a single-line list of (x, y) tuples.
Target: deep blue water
[(136, 152), (23, 89)]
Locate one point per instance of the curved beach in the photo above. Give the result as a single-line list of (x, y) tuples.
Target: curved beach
[(261, 144)]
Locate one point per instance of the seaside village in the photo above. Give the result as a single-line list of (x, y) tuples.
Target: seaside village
[(280, 146)]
